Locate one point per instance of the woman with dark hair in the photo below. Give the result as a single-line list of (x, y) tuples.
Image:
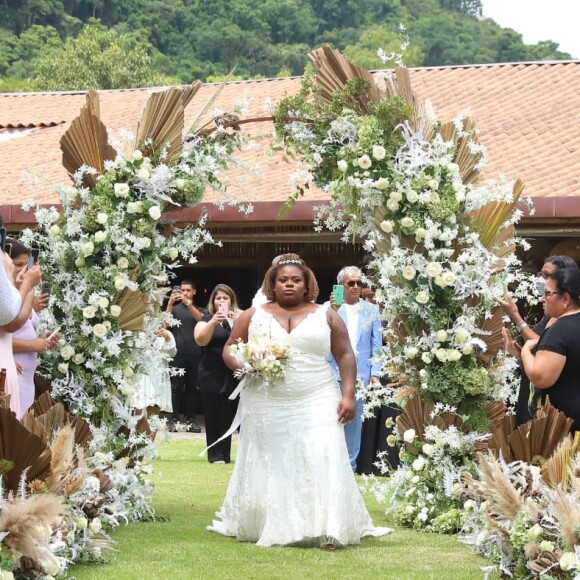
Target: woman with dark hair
[(526, 400), (292, 483), (216, 380), (26, 344), (552, 362)]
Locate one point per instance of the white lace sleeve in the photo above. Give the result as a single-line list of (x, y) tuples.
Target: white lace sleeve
[(10, 301)]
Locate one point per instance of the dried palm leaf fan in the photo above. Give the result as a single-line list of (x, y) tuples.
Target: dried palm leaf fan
[(142, 426), (22, 449), (162, 121), (30, 422), (133, 308), (85, 141), (44, 413), (533, 441), (556, 470)]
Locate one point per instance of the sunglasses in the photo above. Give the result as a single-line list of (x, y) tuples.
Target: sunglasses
[(353, 283), (548, 293)]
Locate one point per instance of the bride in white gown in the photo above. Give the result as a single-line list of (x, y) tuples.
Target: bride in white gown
[(292, 482)]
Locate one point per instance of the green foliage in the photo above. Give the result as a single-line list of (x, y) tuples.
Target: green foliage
[(98, 59), (189, 39)]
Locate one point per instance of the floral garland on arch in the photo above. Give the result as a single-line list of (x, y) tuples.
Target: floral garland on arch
[(106, 254), (442, 250)]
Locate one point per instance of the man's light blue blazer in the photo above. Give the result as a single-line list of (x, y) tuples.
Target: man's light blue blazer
[(368, 344)]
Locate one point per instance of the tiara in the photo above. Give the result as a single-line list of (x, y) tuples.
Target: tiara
[(284, 262)]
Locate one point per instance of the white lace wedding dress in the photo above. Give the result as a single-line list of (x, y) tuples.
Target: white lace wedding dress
[(292, 482)]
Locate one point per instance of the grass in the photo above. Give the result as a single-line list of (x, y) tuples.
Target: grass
[(189, 491)]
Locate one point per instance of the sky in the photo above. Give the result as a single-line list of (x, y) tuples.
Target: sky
[(536, 20)]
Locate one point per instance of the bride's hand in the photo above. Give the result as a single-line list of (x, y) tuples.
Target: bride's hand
[(346, 409)]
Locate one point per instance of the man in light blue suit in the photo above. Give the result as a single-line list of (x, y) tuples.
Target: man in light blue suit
[(364, 329)]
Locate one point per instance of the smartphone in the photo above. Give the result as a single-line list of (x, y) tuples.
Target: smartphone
[(223, 307), (45, 288), (33, 258), (3, 238), (177, 288), (54, 333), (338, 291)]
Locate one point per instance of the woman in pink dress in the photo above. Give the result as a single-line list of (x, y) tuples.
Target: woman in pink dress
[(29, 279), (26, 344)]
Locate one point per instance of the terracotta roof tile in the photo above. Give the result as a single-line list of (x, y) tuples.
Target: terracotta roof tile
[(528, 115)]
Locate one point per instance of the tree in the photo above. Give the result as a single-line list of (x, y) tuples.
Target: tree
[(471, 7), (364, 52), (98, 59)]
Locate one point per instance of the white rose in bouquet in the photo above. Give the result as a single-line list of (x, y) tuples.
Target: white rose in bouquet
[(365, 162), (89, 312), (379, 152), (409, 435), (342, 165), (155, 212), (115, 310), (121, 189), (408, 272), (382, 183), (102, 218), (386, 226)]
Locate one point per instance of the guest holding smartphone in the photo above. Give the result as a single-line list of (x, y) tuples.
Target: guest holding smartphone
[(215, 378), (26, 279), (26, 344)]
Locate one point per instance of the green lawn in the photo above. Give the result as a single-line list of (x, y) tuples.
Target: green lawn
[(190, 490)]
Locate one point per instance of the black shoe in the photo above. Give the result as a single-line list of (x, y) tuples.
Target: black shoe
[(171, 427), (193, 427)]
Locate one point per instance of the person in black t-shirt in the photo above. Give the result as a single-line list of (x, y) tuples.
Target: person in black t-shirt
[(552, 362), (184, 386)]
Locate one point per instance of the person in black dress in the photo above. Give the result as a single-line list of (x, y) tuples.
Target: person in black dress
[(552, 362), (216, 380), (527, 401)]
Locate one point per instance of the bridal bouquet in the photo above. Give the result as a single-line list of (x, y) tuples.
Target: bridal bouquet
[(261, 357)]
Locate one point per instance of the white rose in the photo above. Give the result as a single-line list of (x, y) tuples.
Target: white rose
[(82, 522), (95, 525), (379, 152), (448, 278), (434, 197), (364, 162), (386, 226), (408, 272), (155, 212), (134, 207), (546, 546), (172, 253), (78, 359), (392, 205), (115, 310), (123, 263), (89, 312), (67, 351), (411, 352), (102, 218), (409, 435), (396, 196), (137, 155), (382, 183), (142, 173), (441, 336), (415, 479), (54, 231), (342, 165), (420, 234), (128, 372), (433, 183), (412, 196), (407, 222), (453, 168), (179, 184), (63, 368), (568, 561), (426, 358), (453, 355), (100, 330), (469, 505), (428, 449), (120, 283), (418, 464), (433, 269), (467, 350), (535, 532), (54, 217), (96, 552), (127, 389), (461, 336), (103, 302), (100, 236), (79, 261), (441, 354), (422, 297), (121, 189), (145, 242), (88, 248), (409, 510)]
